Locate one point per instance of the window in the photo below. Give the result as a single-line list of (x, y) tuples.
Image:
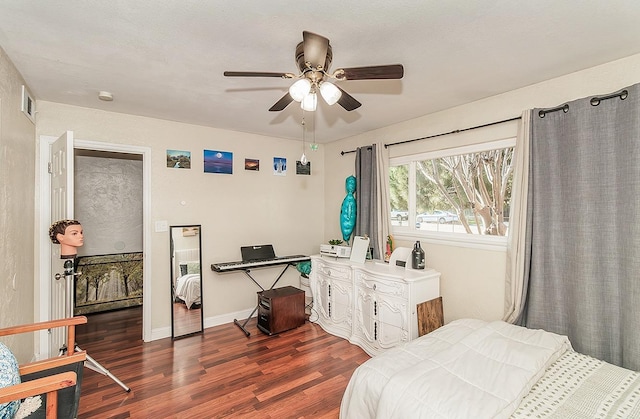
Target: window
[(464, 190)]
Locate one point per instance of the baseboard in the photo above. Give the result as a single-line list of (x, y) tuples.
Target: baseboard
[(227, 318), (165, 332)]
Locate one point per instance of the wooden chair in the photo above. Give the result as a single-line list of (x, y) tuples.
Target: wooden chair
[(56, 379)]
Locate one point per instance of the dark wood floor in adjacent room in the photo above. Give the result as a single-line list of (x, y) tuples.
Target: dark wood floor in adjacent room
[(301, 373)]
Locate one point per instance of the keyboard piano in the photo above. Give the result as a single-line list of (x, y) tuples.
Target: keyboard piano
[(260, 263)]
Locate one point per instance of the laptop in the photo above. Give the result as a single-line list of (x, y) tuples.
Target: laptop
[(257, 252)]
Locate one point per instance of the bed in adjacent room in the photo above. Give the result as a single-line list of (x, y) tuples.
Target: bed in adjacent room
[(477, 369)]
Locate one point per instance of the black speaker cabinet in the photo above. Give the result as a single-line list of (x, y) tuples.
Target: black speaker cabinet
[(280, 309)]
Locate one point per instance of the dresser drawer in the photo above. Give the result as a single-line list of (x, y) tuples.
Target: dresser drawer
[(381, 285), (334, 271)]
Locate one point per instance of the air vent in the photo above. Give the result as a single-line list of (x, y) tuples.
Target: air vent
[(28, 104)]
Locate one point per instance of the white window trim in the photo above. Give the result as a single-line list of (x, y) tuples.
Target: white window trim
[(476, 241), (473, 148)]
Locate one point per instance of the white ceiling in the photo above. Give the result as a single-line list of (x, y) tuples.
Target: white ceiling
[(165, 58)]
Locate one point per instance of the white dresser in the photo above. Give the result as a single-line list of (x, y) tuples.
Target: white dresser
[(372, 304)]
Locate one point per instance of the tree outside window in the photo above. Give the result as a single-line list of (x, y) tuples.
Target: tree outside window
[(462, 193)]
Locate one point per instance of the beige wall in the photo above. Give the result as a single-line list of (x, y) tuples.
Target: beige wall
[(17, 182), (244, 208), (472, 279)]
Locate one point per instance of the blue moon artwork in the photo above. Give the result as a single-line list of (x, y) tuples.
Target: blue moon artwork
[(218, 162)]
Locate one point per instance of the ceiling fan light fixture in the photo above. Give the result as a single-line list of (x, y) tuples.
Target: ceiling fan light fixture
[(330, 93), (300, 89), (313, 58), (309, 102)]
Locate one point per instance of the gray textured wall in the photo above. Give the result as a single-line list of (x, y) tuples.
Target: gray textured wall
[(108, 203)]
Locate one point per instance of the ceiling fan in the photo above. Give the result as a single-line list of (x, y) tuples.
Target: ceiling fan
[(313, 57)]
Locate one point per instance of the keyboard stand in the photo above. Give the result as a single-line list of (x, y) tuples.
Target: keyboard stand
[(247, 272)]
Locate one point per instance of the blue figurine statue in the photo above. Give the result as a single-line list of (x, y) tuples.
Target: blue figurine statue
[(348, 210)]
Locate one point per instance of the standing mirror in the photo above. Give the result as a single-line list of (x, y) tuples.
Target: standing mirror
[(186, 281)]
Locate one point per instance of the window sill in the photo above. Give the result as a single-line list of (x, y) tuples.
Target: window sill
[(494, 243)]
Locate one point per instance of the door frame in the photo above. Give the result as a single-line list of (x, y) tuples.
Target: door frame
[(42, 294)]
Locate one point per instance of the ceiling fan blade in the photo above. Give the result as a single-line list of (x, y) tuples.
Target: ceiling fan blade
[(347, 101), (392, 71), (257, 74), (282, 103), (315, 49)]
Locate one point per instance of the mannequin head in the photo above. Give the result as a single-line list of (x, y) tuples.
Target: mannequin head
[(68, 234)]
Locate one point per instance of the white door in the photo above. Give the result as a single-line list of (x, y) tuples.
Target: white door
[(61, 171)]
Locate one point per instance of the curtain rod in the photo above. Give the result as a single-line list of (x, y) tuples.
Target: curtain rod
[(445, 133), (342, 153), (595, 101), (564, 108)]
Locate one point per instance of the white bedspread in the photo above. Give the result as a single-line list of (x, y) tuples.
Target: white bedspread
[(466, 369), (188, 289)]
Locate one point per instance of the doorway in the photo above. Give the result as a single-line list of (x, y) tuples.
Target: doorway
[(108, 201), (43, 295)]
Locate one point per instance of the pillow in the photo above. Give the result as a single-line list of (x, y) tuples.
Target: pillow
[(193, 267), (189, 268), (9, 376)]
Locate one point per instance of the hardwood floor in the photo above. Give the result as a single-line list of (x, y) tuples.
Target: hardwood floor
[(186, 321), (301, 373)]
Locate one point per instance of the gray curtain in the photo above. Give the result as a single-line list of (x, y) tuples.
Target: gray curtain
[(366, 196), (583, 227)]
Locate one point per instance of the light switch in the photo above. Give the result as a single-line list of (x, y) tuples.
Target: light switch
[(162, 226)]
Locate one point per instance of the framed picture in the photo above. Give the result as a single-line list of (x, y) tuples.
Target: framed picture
[(251, 164), (189, 231), (108, 282), (220, 162), (303, 169), (279, 166), (178, 159)]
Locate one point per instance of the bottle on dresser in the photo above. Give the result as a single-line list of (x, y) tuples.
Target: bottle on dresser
[(417, 256)]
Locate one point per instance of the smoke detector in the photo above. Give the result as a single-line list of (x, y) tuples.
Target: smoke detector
[(106, 96)]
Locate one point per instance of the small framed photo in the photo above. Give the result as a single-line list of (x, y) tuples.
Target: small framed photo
[(251, 164), (178, 159), (220, 162), (303, 169), (279, 166), (189, 231)]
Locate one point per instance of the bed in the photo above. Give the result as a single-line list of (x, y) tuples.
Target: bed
[(187, 277), (476, 369), (188, 290)]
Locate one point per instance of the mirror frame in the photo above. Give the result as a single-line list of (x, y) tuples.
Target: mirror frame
[(180, 229)]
